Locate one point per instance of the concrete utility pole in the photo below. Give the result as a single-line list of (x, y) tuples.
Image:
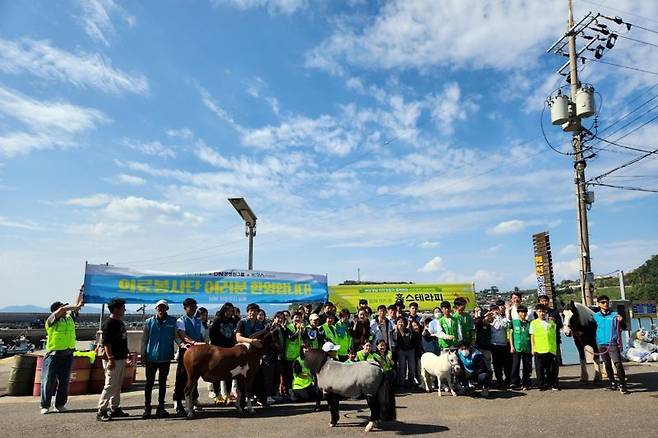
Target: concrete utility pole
[(622, 287), (579, 167)]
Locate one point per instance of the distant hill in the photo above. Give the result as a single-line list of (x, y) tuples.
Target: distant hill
[(29, 308)]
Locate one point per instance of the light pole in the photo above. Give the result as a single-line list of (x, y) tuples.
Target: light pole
[(249, 217)]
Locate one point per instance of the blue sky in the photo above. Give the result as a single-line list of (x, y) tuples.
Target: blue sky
[(398, 137)]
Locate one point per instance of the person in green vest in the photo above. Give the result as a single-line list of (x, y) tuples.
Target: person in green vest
[(338, 334), (519, 336), (365, 353), (464, 321), (313, 336), (384, 357), (543, 342), (60, 345), (303, 385), (292, 333), (446, 328)]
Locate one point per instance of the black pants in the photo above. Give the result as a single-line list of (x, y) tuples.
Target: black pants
[(181, 379), (502, 363), (270, 367), (286, 372), (517, 360), (162, 368), (546, 365)]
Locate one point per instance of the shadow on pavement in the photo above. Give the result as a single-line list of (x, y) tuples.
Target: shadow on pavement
[(401, 428)]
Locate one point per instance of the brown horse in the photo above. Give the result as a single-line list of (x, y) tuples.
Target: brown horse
[(214, 364)]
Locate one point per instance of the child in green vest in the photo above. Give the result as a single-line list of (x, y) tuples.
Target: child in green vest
[(544, 347), (351, 355), (519, 336), (303, 385)]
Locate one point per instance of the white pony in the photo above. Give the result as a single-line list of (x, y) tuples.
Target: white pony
[(440, 366)]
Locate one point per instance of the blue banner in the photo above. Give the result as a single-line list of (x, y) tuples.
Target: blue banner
[(104, 282)]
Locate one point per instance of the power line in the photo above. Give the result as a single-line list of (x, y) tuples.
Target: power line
[(636, 40), (619, 10), (637, 189), (620, 66), (622, 166), (631, 148), (631, 112)]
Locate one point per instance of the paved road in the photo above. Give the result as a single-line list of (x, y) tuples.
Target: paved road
[(576, 411)]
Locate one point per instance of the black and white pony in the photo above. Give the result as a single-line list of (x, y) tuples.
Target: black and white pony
[(337, 379), (579, 322)]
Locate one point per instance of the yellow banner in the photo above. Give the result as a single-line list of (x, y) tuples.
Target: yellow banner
[(427, 296)]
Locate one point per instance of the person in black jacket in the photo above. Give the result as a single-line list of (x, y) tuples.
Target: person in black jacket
[(222, 334)]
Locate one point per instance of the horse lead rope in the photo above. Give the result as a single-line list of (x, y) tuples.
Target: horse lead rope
[(609, 345)]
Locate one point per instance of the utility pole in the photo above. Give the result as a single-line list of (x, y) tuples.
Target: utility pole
[(579, 168), (622, 288)]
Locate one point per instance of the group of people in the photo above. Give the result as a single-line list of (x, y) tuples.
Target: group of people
[(499, 342)]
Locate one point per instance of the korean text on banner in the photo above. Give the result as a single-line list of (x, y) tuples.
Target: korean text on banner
[(427, 296), (103, 282)]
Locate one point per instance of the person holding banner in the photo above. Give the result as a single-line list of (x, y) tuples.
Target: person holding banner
[(60, 345), (190, 332), (157, 352)]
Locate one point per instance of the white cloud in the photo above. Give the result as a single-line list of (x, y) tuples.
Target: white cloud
[(25, 225), (129, 179), (97, 21), (418, 34), (41, 115), (449, 107), (285, 7), (568, 269), (508, 227), (485, 277), (213, 106), (433, 265), (429, 244), (51, 124), (39, 58), (154, 148), (96, 200)]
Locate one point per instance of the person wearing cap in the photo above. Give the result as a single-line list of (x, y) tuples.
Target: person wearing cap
[(312, 335), (331, 349), (60, 345), (189, 332), (244, 331), (115, 346), (157, 352)]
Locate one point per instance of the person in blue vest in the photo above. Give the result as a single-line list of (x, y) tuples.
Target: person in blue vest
[(189, 331), (157, 353), (608, 341), (60, 345)]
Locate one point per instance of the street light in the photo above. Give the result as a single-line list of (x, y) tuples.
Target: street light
[(249, 217)]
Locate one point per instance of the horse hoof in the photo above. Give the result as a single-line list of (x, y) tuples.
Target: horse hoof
[(369, 426)]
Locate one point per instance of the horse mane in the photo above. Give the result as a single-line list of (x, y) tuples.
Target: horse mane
[(261, 333), (585, 314), (315, 359)]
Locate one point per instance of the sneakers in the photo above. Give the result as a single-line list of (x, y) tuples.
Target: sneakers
[(44, 411), (119, 413), (211, 394), (270, 400), (161, 413), (291, 394), (61, 409), (147, 413), (612, 387), (181, 412), (525, 388), (624, 390), (554, 388), (485, 393), (514, 387), (103, 416)]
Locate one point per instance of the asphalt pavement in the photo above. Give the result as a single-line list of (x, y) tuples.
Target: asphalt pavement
[(577, 410)]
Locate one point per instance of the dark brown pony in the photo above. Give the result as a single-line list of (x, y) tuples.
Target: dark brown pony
[(214, 364)]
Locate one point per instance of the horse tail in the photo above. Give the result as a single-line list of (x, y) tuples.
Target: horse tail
[(386, 400)]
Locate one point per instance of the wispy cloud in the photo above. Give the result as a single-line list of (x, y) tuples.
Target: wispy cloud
[(49, 124), (96, 18), (41, 59), (285, 7), (154, 148), (25, 224), (429, 244)]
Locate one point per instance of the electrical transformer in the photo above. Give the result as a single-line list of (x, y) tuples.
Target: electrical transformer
[(559, 109), (585, 104)]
